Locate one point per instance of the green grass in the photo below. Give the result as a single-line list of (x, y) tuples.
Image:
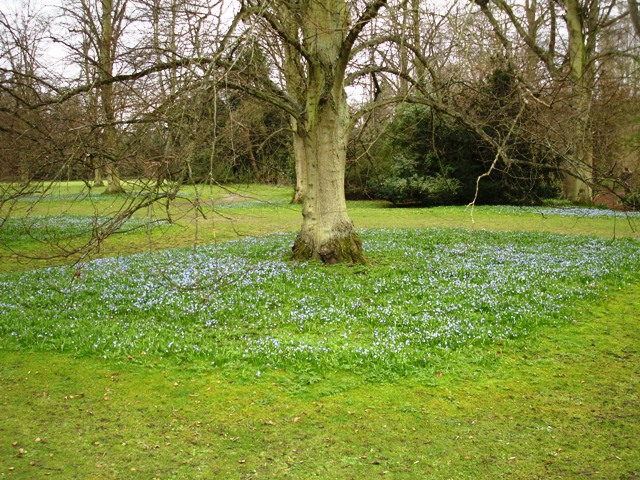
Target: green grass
[(563, 404), (489, 351), (238, 211), (243, 305)]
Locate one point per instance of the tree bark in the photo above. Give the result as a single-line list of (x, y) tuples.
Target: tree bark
[(635, 15), (579, 168), (109, 136), (327, 232), (299, 162), (321, 133), (113, 180), (317, 38), (97, 177)]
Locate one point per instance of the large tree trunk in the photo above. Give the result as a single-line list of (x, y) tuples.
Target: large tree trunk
[(320, 135), (318, 41), (327, 232)]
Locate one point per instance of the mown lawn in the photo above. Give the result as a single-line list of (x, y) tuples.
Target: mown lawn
[(562, 404), (495, 350), (68, 214)]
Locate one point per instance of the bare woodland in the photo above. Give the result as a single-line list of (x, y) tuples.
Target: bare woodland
[(159, 93)]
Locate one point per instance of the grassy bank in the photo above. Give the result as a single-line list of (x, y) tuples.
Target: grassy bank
[(243, 305)]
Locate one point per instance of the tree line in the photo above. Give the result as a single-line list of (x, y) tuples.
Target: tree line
[(419, 102)]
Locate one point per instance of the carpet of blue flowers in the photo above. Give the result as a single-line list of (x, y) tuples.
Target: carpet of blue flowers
[(53, 229), (425, 292), (580, 212)]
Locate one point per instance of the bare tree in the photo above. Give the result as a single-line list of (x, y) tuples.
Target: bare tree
[(22, 35), (316, 38), (577, 25)]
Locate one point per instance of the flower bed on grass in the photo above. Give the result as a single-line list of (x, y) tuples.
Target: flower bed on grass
[(426, 291)]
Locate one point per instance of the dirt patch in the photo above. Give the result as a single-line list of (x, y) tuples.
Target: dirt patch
[(232, 199), (610, 200)]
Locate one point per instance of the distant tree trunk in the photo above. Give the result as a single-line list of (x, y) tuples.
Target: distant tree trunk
[(25, 173), (98, 181), (106, 53), (583, 22), (579, 176), (113, 180), (246, 135), (635, 15), (578, 168)]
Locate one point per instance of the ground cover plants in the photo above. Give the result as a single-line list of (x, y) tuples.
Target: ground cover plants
[(456, 353), (204, 214), (244, 303)]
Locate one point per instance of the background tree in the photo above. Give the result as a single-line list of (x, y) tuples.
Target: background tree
[(634, 12), (24, 131), (567, 41)]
